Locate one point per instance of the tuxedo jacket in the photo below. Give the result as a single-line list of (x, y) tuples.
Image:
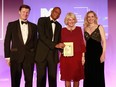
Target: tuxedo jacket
[(45, 43), (14, 46)]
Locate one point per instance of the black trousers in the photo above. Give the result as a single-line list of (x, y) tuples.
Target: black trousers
[(16, 73), (42, 68)]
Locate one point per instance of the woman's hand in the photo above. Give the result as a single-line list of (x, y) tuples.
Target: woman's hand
[(102, 58), (83, 60)]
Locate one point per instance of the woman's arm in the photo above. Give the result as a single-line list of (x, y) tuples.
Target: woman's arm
[(103, 41)]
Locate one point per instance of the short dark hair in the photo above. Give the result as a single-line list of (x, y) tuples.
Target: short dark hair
[(57, 8), (24, 6)]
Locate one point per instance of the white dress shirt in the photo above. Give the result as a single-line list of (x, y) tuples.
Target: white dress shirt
[(24, 31)]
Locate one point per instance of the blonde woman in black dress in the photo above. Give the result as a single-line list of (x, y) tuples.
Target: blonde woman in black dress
[(95, 51)]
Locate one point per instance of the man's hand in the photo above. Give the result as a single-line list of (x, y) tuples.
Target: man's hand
[(60, 45), (8, 61)]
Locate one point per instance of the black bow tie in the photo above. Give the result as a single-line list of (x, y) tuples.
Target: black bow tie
[(22, 22), (53, 21)]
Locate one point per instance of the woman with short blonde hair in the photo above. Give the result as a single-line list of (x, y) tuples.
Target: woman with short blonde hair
[(71, 67)]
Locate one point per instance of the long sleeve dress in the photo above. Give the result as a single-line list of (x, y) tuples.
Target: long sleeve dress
[(71, 68)]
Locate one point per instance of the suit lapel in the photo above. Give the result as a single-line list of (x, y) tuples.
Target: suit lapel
[(50, 28), (19, 32), (29, 32), (56, 30)]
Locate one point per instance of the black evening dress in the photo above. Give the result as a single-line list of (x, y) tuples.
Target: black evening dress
[(94, 70)]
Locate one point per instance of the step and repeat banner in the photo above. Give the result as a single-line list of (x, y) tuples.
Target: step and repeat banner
[(42, 8)]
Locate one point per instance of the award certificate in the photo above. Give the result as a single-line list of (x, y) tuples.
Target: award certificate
[(68, 50)]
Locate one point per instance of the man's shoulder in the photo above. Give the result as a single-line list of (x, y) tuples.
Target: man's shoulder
[(43, 17), (12, 22), (31, 23), (58, 22)]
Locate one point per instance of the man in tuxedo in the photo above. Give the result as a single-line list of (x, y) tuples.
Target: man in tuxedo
[(19, 47), (47, 48)]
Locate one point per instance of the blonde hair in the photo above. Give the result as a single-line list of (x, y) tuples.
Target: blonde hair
[(86, 23), (70, 15)]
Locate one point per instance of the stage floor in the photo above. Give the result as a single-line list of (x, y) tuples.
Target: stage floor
[(110, 76), (5, 80)]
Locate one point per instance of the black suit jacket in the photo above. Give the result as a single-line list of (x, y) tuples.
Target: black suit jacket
[(14, 46), (45, 43)]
